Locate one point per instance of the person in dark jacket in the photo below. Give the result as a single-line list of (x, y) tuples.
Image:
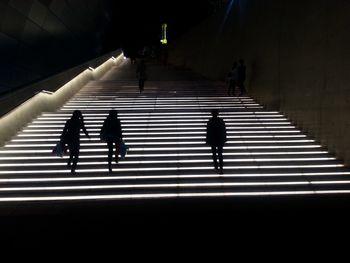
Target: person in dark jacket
[(71, 137), (111, 133), (216, 138)]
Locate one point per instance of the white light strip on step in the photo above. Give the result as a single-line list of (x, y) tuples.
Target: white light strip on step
[(224, 113), (168, 124), (165, 133), (127, 138), (168, 196), (157, 186), (98, 144), (169, 185), (166, 120), (167, 143), (156, 104), (169, 128), (203, 161), (172, 149), (140, 118), (165, 155), (98, 116), (69, 178), (167, 169), (161, 100), (153, 108)]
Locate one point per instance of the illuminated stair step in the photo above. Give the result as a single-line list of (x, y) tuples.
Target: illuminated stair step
[(149, 137), (167, 102), (73, 187), (252, 129), (157, 118), (181, 143), (170, 124), (169, 149), (85, 109), (190, 145), (119, 169), (156, 100), (174, 195), (162, 105), (41, 121), (167, 114), (321, 176), (275, 133), (228, 161), (317, 155), (179, 186)]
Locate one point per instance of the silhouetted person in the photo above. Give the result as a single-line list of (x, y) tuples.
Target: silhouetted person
[(71, 137), (216, 138), (141, 74), (241, 76), (111, 132), (232, 79)]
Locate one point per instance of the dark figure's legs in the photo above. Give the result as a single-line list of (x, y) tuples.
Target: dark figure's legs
[(110, 153), (215, 160), (218, 153), (141, 84), (231, 88), (73, 156), (241, 88), (221, 159), (117, 145)]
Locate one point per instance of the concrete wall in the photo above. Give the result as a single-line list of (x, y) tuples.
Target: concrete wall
[(39, 38), (298, 59), (52, 97)]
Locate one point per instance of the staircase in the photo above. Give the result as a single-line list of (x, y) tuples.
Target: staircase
[(165, 129)]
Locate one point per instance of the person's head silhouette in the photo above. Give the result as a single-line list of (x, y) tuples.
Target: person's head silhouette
[(113, 114), (77, 115), (215, 113)]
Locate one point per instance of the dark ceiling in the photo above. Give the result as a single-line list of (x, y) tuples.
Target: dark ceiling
[(39, 38)]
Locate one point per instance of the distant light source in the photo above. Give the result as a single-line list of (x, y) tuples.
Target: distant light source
[(164, 40)]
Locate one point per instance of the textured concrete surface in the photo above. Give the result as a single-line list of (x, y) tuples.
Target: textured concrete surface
[(39, 38), (297, 56)]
